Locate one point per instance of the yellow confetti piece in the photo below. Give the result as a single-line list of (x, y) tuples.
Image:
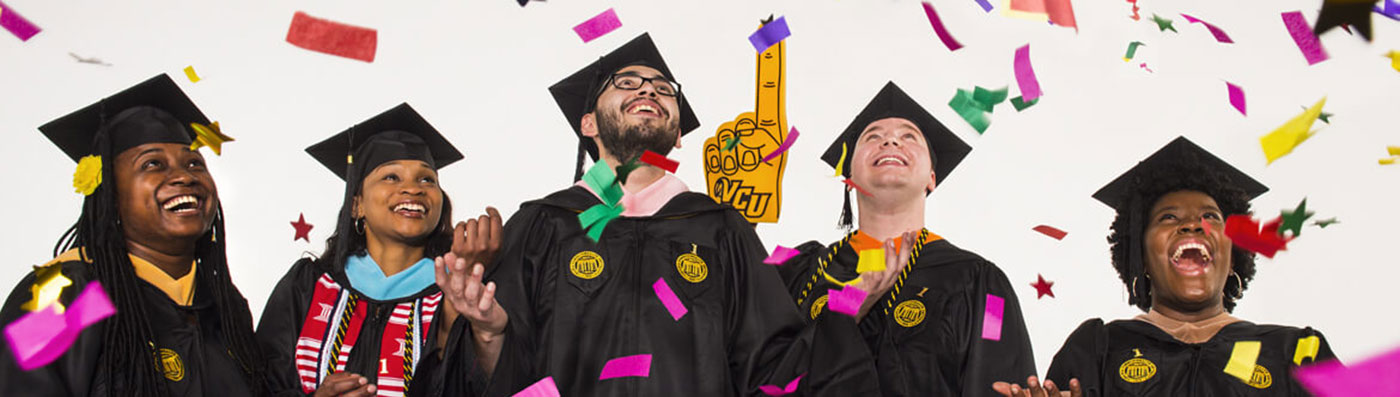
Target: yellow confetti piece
[(1288, 136), (210, 136), (871, 260), (1307, 348), (841, 164), (1393, 150), (1388, 161), (189, 72), (48, 286), (1242, 359), (88, 176), (843, 284), (1394, 60)]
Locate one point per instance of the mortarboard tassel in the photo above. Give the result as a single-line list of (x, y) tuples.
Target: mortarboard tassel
[(578, 165), (845, 222)]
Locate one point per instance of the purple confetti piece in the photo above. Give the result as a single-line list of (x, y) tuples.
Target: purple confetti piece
[(948, 40), (771, 33), (1025, 76)]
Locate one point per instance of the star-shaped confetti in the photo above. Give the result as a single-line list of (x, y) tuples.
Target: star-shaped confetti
[(1356, 13), (1163, 24), (1324, 223), (303, 228), (209, 135), (1042, 287), (1293, 220), (48, 285)]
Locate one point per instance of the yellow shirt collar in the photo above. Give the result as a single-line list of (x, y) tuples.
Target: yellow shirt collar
[(181, 290)]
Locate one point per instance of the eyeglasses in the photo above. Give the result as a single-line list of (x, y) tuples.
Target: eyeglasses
[(633, 82)]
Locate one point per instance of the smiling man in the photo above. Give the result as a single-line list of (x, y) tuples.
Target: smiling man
[(674, 290), (926, 326)]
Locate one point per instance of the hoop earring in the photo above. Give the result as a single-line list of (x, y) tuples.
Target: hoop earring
[(1239, 293), (360, 225), (1132, 291)]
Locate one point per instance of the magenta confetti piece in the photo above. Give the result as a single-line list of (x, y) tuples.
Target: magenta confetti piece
[(846, 300), (1236, 96), (1220, 35), (948, 40), (783, 147), (16, 24), (1304, 37), (768, 35), (780, 255), (544, 388), (621, 367), (598, 26), (1025, 76), (1373, 377), (991, 319), (40, 337), (669, 299), (776, 391)]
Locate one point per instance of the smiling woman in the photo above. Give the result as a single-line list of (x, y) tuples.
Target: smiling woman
[(152, 235)]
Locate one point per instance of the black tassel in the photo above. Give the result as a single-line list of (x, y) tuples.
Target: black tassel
[(578, 165), (845, 222)]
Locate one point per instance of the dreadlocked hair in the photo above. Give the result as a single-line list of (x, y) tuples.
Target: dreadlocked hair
[(1150, 186), (347, 240), (129, 349)]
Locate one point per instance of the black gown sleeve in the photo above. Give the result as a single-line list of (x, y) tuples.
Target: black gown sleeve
[(1009, 359), (1081, 358), (72, 374), (280, 327)]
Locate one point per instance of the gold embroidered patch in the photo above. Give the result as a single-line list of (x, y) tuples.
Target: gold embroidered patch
[(1260, 379), (586, 265), (1137, 369), (909, 313), (171, 364), (692, 268), (818, 306)]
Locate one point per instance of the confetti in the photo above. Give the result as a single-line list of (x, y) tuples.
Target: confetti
[(1303, 36), (783, 147), (48, 287), (597, 26), (1306, 349), (973, 106), (1293, 220), (601, 179), (40, 337), (1050, 231), (871, 260), (1394, 59), (1042, 287), (781, 255), (1132, 50), (846, 300), (1144, 67), (1163, 24), (627, 366), (669, 299), (1025, 75), (1220, 35), (16, 24), (1135, 15), (545, 387), (1345, 13), (209, 135), (769, 34), (1288, 136), (730, 143), (334, 38), (1324, 223), (1242, 359), (948, 40), (189, 72), (1245, 232), (1236, 96), (1373, 377), (853, 185), (1021, 104), (303, 229), (1390, 10), (660, 161), (782, 391), (991, 318), (986, 5), (93, 61), (1061, 13)]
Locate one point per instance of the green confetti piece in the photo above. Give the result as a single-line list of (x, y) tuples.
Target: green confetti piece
[(626, 169), (1022, 105), (1293, 220), (1163, 24), (1324, 223), (986, 99), (1132, 51), (970, 110), (730, 143), (597, 217)]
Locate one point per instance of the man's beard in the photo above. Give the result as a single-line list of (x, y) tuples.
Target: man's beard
[(628, 142)]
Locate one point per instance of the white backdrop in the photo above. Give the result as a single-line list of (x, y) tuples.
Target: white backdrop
[(477, 69)]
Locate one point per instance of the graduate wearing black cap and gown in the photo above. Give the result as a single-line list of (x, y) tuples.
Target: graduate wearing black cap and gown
[(926, 332), (179, 336), (339, 312), (1154, 355), (575, 303)]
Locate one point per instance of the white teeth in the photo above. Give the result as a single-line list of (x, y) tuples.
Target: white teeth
[(643, 108), (1205, 254), (409, 207), (177, 201), (895, 160)]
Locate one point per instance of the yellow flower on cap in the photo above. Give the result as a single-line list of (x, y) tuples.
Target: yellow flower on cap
[(88, 176)]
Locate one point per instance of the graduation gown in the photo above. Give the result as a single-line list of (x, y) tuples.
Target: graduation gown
[(1135, 358), (189, 339), (928, 340), (575, 304), (298, 358)]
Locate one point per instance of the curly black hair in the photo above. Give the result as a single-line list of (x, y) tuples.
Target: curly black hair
[(1146, 188)]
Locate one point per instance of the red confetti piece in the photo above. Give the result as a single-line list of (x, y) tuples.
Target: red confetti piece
[(1042, 287), (303, 229), (1246, 233), (859, 189), (1050, 231), (330, 37), (660, 161)]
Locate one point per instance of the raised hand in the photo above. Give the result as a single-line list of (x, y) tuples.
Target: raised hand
[(1035, 389), (876, 284), (478, 240), (738, 176), (466, 296), (345, 384)]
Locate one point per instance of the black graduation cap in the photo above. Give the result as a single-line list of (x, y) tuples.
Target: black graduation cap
[(154, 111), (945, 149), (577, 94), (397, 134)]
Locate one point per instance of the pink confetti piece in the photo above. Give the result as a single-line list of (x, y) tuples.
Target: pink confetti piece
[(1373, 377), (1236, 96), (544, 388), (783, 147), (948, 40), (780, 255), (1144, 67), (40, 337), (16, 24), (1051, 231), (669, 299), (771, 33), (1304, 37), (1061, 13), (627, 366), (1025, 76), (991, 319), (846, 300), (598, 26), (789, 389), (1220, 35)]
